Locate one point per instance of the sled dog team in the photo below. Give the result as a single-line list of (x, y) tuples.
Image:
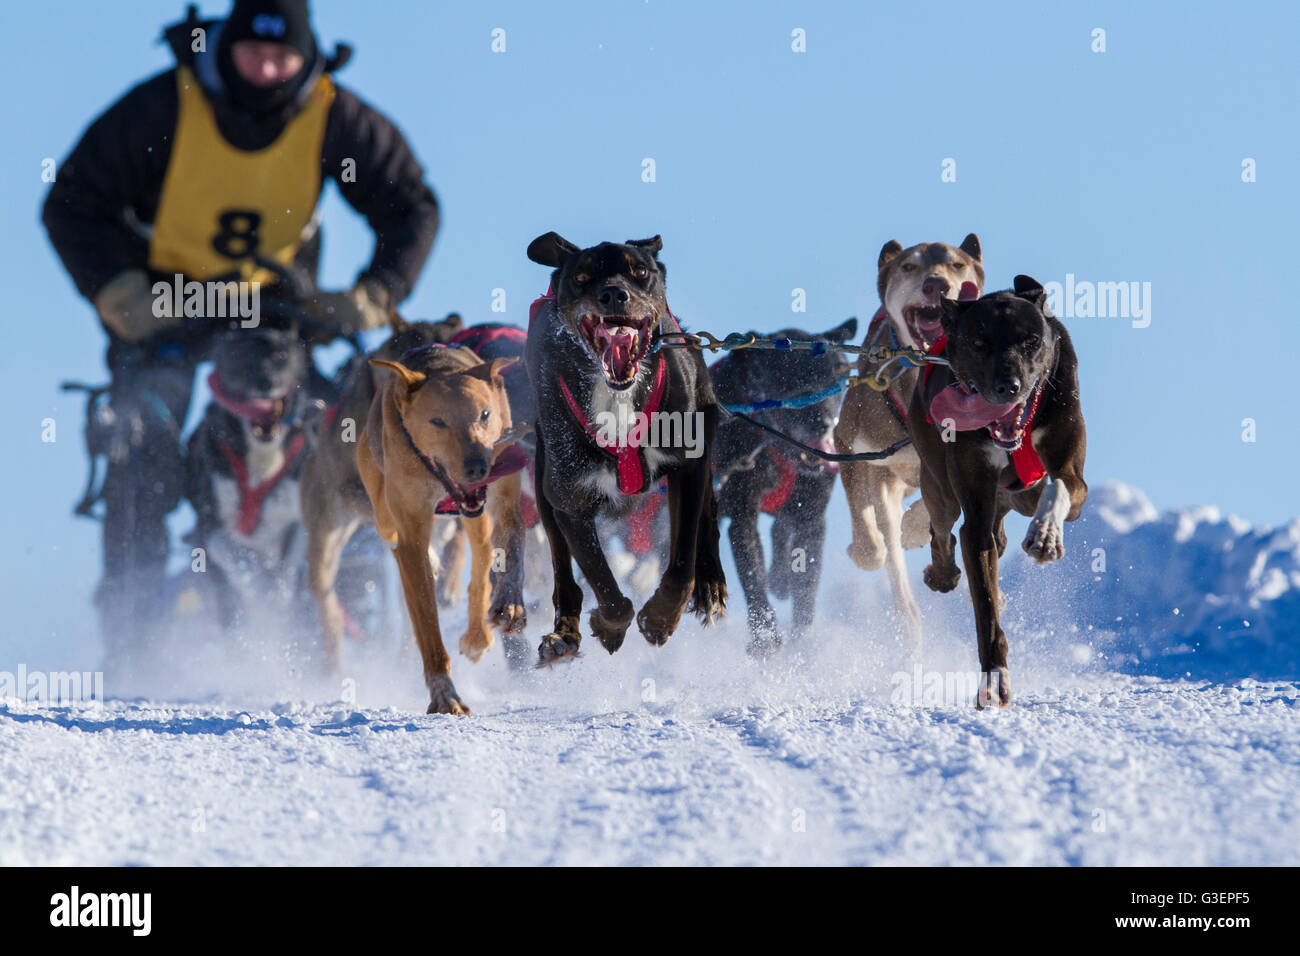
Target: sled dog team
[(463, 425)]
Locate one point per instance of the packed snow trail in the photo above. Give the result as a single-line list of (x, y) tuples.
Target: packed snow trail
[(1124, 771), (833, 752)]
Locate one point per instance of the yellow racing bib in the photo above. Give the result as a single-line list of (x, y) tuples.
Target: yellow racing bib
[(220, 205)]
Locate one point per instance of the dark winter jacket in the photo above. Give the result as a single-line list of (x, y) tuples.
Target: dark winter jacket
[(108, 188)]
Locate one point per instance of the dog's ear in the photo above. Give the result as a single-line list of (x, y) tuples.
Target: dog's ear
[(491, 370), (1029, 288), (551, 250), (409, 379), (971, 246), (890, 249), (653, 245), (951, 312), (444, 330), (842, 333)]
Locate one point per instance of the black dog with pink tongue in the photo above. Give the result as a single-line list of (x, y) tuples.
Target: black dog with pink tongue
[(591, 357), (999, 428)]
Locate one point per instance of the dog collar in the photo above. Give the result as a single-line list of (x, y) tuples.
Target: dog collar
[(632, 470)]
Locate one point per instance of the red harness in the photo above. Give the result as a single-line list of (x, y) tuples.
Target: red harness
[(628, 458), (640, 522), (630, 462), (252, 497), (476, 337), (774, 500), (1029, 467)]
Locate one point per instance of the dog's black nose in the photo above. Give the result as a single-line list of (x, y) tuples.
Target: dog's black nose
[(613, 295), (935, 285), (476, 469), (1007, 388)]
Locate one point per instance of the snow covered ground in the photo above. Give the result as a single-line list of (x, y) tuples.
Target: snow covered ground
[(1157, 720)]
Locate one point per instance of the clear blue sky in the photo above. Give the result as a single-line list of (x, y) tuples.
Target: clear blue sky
[(775, 170)]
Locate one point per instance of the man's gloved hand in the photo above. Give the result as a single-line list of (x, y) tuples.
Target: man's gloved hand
[(373, 301), (365, 306), (125, 305)]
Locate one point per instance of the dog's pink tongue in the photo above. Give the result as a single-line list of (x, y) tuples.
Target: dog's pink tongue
[(619, 354), (929, 330), (966, 412)]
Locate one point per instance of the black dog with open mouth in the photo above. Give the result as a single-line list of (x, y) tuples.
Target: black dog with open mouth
[(242, 461), (761, 474), (1000, 428), (592, 361)]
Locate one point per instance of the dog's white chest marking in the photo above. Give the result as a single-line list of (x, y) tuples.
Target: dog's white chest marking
[(607, 402), (1045, 539), (263, 460), (279, 511)]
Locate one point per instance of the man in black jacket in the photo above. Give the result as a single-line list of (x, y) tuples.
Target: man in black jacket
[(200, 172)]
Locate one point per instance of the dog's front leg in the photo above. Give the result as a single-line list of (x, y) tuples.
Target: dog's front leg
[(747, 550), (328, 533), (612, 614), (477, 639), (942, 573), (566, 636), (887, 491), (451, 564), (507, 612), (867, 548), (807, 513), (979, 551), (688, 489), (710, 598), (419, 589), (1060, 501)]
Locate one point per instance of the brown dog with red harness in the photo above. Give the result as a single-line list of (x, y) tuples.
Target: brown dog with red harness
[(420, 433), (999, 428)]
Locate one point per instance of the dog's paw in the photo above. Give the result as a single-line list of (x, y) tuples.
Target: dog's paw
[(507, 612), (709, 600), (556, 648), (916, 526), (660, 616), (868, 553), (942, 580), (995, 689), (476, 642), (1045, 541), (610, 625), (443, 698)]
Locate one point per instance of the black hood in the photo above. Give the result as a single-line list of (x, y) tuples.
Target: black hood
[(245, 127)]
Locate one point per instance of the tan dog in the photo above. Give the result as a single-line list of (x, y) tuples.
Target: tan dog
[(437, 430), (911, 283)]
